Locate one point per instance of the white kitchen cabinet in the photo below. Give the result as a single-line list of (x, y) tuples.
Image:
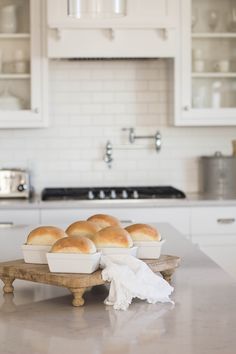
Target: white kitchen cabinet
[(11, 240), (177, 217), (206, 69), (14, 217), (23, 74), (213, 220), (214, 230), (148, 31), (15, 225)]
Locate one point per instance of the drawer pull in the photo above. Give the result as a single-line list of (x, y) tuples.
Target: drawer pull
[(6, 224), (226, 221), (127, 221)]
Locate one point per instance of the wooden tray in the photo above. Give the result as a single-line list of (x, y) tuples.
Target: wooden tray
[(76, 283)]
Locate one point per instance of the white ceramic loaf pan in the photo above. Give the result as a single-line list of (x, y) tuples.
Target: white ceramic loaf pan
[(73, 262), (118, 250), (149, 249), (35, 254)]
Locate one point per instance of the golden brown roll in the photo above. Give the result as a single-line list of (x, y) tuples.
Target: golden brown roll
[(74, 244), (82, 228), (104, 220), (112, 236), (45, 235), (143, 232)]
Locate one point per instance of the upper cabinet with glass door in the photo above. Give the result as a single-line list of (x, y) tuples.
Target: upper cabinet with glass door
[(207, 72), (23, 66)]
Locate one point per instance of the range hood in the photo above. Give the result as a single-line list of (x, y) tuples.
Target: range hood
[(148, 31)]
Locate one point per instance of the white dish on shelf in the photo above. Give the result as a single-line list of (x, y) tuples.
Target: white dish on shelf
[(118, 250), (149, 249), (9, 102), (73, 262), (35, 254)]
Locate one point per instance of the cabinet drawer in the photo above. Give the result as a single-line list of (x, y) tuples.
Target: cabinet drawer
[(217, 220), (177, 217), (16, 217)]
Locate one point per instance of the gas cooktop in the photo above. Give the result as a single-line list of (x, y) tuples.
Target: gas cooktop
[(112, 193)]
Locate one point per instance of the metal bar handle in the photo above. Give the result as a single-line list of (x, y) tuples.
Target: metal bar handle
[(225, 221), (145, 136), (6, 224)]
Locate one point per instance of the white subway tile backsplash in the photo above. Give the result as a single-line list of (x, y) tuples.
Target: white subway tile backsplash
[(90, 102)]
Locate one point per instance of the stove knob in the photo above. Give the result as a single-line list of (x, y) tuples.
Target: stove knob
[(22, 187), (135, 194), (113, 194), (90, 195), (102, 194), (124, 194)]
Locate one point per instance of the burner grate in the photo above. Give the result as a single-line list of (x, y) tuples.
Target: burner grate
[(97, 193)]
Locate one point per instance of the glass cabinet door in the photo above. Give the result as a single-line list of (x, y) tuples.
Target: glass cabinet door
[(14, 55), (213, 54), (209, 62), (21, 63)]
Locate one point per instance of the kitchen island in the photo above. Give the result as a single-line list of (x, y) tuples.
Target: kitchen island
[(39, 319)]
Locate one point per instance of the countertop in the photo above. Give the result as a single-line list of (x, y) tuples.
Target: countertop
[(192, 200), (39, 319)]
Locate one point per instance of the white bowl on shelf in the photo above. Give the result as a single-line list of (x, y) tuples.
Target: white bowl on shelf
[(118, 250), (149, 249), (9, 102), (35, 254), (73, 262)]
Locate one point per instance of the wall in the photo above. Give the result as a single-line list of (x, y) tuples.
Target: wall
[(90, 103)]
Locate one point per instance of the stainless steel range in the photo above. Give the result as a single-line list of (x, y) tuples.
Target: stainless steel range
[(112, 193)]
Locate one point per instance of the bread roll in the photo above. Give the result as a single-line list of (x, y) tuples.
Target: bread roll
[(82, 228), (112, 236), (74, 244), (45, 235), (143, 232), (104, 220)]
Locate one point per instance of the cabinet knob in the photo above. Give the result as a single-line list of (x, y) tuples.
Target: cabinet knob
[(165, 33), (35, 110), (186, 108)]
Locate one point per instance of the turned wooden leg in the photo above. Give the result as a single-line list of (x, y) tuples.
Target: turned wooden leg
[(167, 274), (8, 287), (78, 296)]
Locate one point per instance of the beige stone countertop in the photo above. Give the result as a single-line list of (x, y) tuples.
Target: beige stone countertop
[(192, 200), (39, 319)]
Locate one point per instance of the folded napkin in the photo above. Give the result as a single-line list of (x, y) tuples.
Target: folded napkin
[(130, 277)]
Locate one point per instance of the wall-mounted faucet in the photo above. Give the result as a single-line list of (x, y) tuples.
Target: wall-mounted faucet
[(133, 137), (108, 154)]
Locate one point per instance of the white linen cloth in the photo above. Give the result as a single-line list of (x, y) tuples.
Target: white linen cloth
[(130, 278)]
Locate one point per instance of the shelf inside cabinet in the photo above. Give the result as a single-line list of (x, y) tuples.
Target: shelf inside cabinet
[(214, 75), (14, 76), (200, 35), (14, 35)]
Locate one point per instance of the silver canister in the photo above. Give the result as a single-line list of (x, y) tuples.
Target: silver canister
[(218, 176)]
